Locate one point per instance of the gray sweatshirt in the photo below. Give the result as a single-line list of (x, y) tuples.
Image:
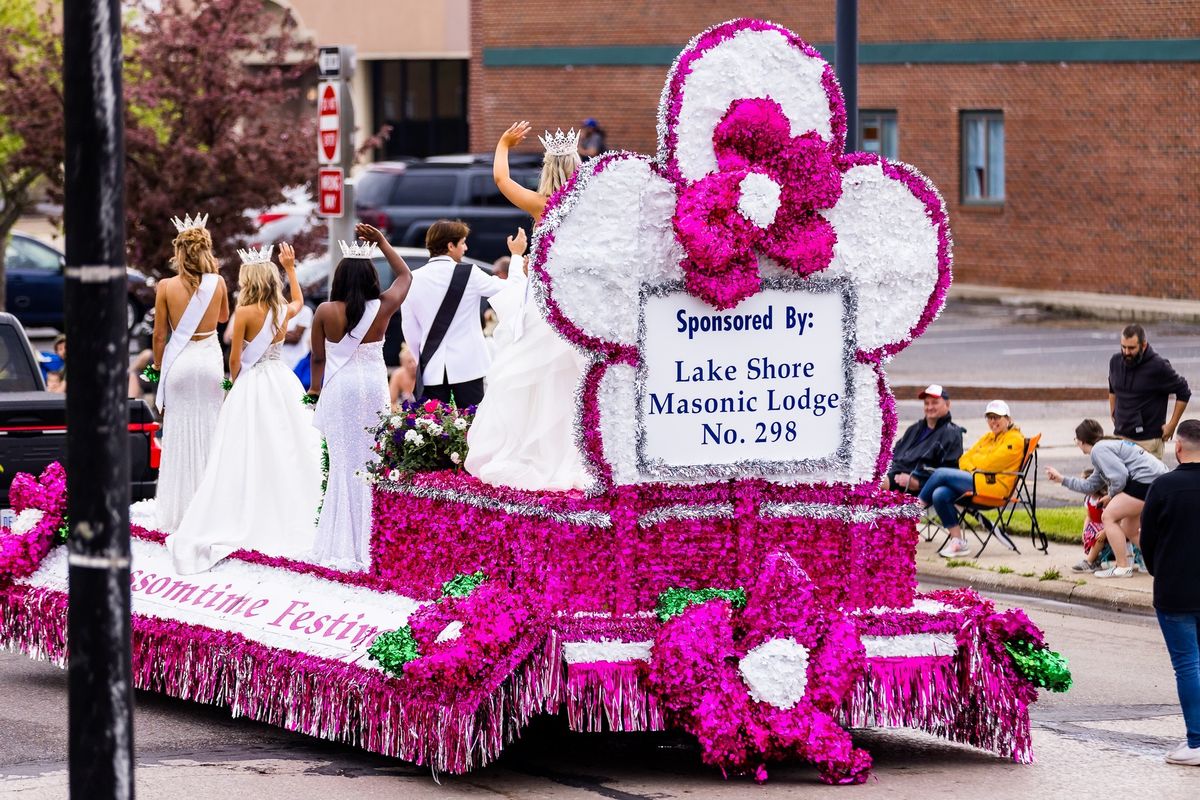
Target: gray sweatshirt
[(1115, 463)]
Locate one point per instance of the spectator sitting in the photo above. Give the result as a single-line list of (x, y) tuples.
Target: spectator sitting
[(1139, 383), (927, 444), (1127, 470), (997, 451)]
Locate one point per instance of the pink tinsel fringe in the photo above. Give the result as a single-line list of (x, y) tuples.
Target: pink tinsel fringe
[(610, 696)]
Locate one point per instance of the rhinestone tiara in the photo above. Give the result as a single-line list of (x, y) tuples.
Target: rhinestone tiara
[(559, 143), (255, 255), (198, 221), (359, 249)]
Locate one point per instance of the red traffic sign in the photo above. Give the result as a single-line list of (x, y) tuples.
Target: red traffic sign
[(331, 191), (329, 132)]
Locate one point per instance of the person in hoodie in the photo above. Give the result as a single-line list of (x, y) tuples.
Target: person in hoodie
[(997, 452), (929, 443), (1139, 383)]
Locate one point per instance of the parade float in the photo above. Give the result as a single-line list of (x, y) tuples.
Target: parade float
[(734, 571)]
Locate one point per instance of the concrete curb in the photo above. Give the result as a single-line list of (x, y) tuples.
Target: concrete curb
[(1109, 598), (1112, 307)]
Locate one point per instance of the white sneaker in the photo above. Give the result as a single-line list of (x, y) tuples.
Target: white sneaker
[(1115, 572), (955, 547), (1184, 755)]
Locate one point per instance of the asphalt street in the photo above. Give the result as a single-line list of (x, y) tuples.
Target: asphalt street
[(1103, 739)]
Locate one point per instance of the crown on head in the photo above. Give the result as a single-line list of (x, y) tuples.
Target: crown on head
[(559, 143), (256, 255), (359, 249), (198, 221)]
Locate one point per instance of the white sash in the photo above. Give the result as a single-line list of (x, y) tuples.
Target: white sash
[(337, 354), (253, 350), (183, 333)]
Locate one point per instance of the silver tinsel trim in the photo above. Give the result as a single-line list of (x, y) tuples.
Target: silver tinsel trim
[(595, 519), (838, 512), (708, 511), (756, 468)]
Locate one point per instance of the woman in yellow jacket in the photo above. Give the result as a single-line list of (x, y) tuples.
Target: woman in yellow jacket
[(999, 450)]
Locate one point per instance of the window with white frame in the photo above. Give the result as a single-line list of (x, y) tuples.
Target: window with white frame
[(878, 133), (983, 157)]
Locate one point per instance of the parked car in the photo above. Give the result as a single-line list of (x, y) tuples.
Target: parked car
[(33, 422), (33, 272), (404, 199)]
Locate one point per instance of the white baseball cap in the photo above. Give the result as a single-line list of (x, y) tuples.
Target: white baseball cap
[(997, 407), (934, 390)]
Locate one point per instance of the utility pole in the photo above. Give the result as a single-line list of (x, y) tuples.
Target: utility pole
[(98, 628), (845, 58)]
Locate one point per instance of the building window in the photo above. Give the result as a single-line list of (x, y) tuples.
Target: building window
[(878, 134), (983, 157)]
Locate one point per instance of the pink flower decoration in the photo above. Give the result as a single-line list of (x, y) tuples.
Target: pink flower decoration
[(20, 554), (702, 672), (765, 198)]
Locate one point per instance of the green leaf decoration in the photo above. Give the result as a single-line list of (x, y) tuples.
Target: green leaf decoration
[(393, 650), (1041, 666), (675, 600), (463, 584)]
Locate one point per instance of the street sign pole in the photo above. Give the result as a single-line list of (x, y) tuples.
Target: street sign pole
[(335, 146), (846, 65), (98, 630)]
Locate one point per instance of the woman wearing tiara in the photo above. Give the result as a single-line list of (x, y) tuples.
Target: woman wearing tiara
[(523, 435), (349, 376), (262, 485), (188, 358)]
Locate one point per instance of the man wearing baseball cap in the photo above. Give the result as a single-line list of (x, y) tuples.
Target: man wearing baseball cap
[(929, 443)]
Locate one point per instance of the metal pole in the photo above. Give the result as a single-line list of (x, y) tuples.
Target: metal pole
[(845, 59), (101, 693)]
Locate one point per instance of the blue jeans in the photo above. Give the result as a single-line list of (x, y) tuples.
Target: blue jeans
[(945, 486), (1181, 632)]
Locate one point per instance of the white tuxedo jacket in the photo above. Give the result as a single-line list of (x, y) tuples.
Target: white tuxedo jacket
[(463, 355)]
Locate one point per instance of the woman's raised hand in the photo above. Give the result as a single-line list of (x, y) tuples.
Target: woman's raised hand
[(368, 233), (515, 134), (287, 256)]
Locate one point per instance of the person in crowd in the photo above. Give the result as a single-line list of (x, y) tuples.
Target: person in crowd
[(500, 267), (402, 383), (55, 361), (440, 318), (262, 485), (1126, 471), (932, 442), (1171, 545), (296, 343), (998, 451), (1140, 382), (523, 435), (187, 356), (350, 377), (592, 139)]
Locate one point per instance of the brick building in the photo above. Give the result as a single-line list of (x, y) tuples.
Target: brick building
[(1065, 135)]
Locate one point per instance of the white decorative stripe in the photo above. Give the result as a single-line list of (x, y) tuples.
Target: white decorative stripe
[(606, 650), (711, 511), (596, 519), (920, 606), (831, 511), (96, 273), (911, 645), (605, 614)]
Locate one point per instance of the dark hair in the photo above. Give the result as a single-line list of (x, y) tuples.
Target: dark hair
[(355, 281), (1089, 431), (444, 233), (1133, 329), (1189, 433)]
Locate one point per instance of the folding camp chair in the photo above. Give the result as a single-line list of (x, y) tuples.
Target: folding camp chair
[(974, 507)]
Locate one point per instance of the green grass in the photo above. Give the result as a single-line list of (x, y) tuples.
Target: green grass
[(1003, 570), (1059, 524), (1050, 575), (1027, 574), (957, 562)]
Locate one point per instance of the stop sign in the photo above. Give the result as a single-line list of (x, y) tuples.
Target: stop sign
[(328, 129)]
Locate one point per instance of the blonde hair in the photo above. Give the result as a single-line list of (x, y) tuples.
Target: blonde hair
[(259, 284), (193, 256), (556, 171)]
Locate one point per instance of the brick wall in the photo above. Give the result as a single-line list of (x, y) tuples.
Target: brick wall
[(1102, 161)]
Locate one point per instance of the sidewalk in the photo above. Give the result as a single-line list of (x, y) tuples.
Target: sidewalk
[(1031, 572)]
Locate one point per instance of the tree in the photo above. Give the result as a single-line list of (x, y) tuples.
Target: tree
[(31, 120), (207, 124)]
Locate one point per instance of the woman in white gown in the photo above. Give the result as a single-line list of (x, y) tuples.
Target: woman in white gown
[(349, 376), (262, 486), (523, 435), (187, 355)]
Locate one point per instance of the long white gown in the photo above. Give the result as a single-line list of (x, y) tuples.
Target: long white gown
[(352, 398), (262, 486), (523, 435)]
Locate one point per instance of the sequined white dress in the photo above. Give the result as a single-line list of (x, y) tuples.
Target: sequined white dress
[(189, 421), (351, 402), (262, 486)]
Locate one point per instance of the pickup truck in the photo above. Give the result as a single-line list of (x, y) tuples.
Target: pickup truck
[(33, 422)]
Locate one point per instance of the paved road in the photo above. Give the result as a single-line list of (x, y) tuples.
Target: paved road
[(1104, 739)]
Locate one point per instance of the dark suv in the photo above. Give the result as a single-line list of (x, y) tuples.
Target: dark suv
[(404, 199)]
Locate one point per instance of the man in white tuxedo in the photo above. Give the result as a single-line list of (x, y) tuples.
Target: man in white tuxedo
[(440, 317)]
